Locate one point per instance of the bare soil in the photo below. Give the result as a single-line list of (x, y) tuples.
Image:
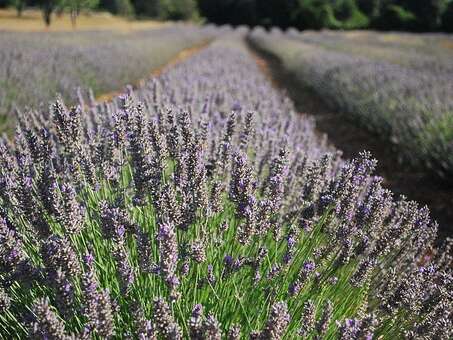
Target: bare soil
[(351, 139)]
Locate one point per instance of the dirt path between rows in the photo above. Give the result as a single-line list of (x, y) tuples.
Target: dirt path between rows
[(178, 58), (351, 139)]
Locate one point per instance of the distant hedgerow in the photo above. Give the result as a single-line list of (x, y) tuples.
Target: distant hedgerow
[(202, 206)]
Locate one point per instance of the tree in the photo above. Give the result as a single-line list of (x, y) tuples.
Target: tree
[(167, 9), (124, 8), (19, 5), (119, 7), (369, 7), (447, 18), (275, 13), (216, 11), (107, 5), (147, 8), (313, 14), (47, 8), (426, 15), (395, 17), (428, 12), (76, 6), (349, 15)]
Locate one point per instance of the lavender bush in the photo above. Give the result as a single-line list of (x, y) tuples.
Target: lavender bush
[(60, 62), (428, 52), (401, 94), (202, 206)]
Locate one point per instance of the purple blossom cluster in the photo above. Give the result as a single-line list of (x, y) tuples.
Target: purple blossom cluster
[(202, 206)]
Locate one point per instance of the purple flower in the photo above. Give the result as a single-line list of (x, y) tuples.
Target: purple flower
[(307, 269), (168, 253), (164, 321), (308, 319), (196, 322), (46, 324), (277, 322)]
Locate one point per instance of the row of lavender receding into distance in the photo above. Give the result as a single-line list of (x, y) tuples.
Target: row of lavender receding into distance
[(423, 52), (202, 206), (34, 67), (402, 93)]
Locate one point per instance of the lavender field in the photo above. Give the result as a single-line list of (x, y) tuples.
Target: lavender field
[(402, 92), (35, 66), (201, 204)]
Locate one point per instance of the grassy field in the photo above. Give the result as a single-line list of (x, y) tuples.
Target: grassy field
[(31, 21)]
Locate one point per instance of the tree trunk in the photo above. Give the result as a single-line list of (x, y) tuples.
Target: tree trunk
[(19, 8), (59, 11), (74, 18), (47, 14)]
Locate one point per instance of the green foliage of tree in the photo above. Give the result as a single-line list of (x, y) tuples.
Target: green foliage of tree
[(124, 8), (107, 5), (349, 15), (369, 7), (47, 8), (313, 14), (420, 15), (219, 11), (395, 17), (19, 5), (428, 13), (147, 8), (166, 9), (119, 7), (275, 12), (76, 6), (447, 18), (303, 14), (178, 9), (344, 9)]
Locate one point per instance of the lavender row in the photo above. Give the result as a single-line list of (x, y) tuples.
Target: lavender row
[(203, 206), (425, 53), (34, 67), (409, 105)]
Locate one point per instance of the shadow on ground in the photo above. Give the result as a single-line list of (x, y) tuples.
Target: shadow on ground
[(349, 138)]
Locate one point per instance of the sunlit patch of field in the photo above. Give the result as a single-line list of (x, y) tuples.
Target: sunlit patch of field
[(31, 20), (448, 43)]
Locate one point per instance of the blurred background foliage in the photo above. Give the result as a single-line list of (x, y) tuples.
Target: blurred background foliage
[(407, 15)]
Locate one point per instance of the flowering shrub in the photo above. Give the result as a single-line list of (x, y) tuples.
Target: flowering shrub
[(103, 61), (202, 206), (404, 95)]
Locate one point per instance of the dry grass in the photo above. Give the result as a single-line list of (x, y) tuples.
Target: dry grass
[(31, 21)]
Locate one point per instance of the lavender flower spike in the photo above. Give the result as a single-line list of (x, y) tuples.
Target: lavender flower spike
[(196, 323), (164, 321), (47, 325), (276, 323), (168, 254), (211, 328)]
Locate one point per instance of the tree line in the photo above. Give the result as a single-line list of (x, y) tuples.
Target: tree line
[(158, 9), (407, 15)]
